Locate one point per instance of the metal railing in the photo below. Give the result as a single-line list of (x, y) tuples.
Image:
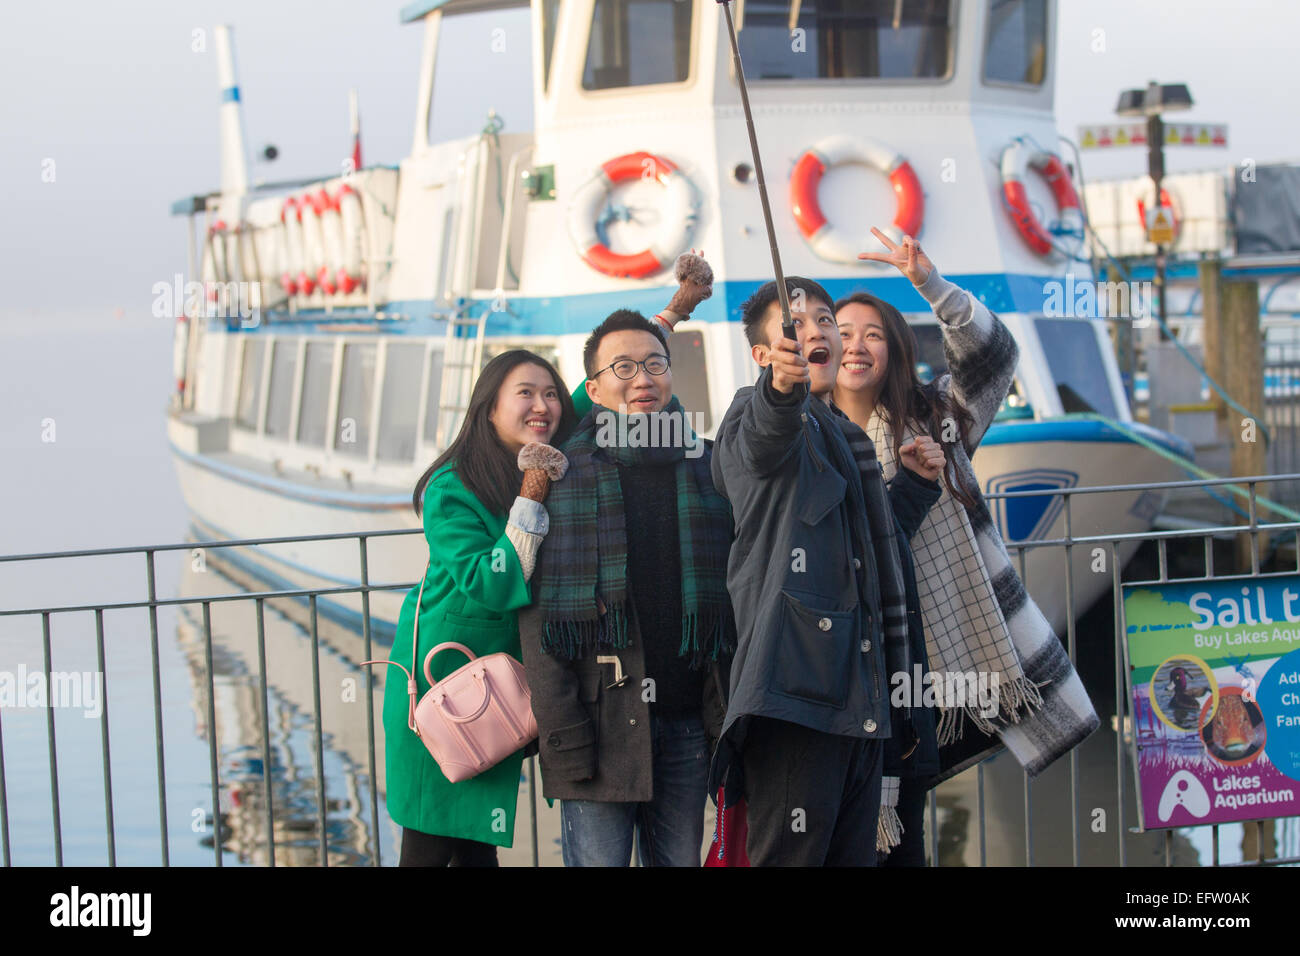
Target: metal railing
[(309, 602)]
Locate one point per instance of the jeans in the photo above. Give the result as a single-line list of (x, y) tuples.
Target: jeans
[(669, 829)]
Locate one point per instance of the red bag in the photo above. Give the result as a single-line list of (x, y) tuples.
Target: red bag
[(728, 847)]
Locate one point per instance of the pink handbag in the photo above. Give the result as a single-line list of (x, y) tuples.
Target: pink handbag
[(474, 717)]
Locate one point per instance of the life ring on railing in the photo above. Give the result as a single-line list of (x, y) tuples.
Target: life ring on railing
[(313, 244), (1017, 160), (681, 210), (219, 251), (826, 240), (331, 230), (352, 223), (1167, 202), (291, 217)]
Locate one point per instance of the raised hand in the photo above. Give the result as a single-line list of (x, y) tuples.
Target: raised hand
[(907, 258), (695, 284), (789, 368), (924, 456)]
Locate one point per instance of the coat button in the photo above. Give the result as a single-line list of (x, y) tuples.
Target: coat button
[(553, 740), (824, 624), (866, 646), (632, 721), (857, 564), (869, 725)]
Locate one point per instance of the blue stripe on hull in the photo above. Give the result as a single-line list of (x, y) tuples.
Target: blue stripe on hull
[(1072, 430)]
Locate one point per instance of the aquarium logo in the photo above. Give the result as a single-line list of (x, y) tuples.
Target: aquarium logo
[(1089, 299), (213, 300), (76, 690)]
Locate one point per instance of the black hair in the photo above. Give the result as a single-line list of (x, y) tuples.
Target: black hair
[(621, 320), (484, 465), (755, 308), (904, 401)]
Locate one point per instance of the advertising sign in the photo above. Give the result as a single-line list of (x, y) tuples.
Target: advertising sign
[(1214, 686)]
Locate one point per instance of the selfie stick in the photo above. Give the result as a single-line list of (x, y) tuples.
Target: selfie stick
[(787, 323)]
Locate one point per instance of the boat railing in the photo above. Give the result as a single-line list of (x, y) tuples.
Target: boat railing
[(1263, 548)]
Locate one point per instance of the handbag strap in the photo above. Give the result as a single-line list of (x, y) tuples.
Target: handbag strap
[(412, 688)]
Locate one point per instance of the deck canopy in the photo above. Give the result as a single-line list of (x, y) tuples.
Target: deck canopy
[(422, 8)]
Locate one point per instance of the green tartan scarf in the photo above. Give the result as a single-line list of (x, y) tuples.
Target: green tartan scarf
[(583, 574)]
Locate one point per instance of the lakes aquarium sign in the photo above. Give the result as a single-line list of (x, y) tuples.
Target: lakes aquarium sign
[(1214, 687)]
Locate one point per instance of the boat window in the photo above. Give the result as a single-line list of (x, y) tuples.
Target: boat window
[(317, 370), (279, 396), (930, 360), (250, 383), (691, 377), (550, 17), (433, 398), (397, 413), (493, 43), (1075, 362), (1016, 50), (638, 43), (356, 394), (846, 39)]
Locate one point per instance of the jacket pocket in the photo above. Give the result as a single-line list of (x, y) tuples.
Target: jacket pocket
[(816, 653)]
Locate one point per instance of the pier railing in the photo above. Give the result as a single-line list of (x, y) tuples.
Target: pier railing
[(1035, 821)]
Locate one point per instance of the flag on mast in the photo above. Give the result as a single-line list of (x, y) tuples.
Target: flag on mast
[(356, 129)]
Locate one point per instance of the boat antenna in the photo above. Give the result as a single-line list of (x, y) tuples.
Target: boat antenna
[(787, 323)]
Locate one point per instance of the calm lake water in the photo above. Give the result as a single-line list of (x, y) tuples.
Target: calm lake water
[(86, 465)]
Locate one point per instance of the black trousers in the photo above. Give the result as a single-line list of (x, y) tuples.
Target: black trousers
[(813, 798), (911, 813), (426, 849)]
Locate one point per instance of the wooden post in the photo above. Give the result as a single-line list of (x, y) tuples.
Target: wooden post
[(1211, 272), (1243, 369)]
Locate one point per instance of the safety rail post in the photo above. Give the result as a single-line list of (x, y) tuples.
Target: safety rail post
[(49, 729), (320, 742), (370, 699), (159, 759), (212, 732), (267, 767), (103, 737)]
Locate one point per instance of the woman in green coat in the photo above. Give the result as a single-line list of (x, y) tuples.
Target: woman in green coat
[(483, 540)]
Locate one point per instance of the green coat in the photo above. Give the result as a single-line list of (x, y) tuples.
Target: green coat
[(471, 590)]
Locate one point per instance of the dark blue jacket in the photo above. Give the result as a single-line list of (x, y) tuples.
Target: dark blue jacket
[(807, 613)]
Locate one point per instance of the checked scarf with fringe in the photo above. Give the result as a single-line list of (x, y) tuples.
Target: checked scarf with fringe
[(584, 591)]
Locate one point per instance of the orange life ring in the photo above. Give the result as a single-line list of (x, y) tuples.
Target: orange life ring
[(677, 225), (1017, 160), (827, 241), (1167, 201), (291, 263)]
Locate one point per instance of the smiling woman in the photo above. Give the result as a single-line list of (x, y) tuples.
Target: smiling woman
[(483, 536)]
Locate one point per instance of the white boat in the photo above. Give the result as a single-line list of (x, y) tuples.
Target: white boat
[(379, 293)]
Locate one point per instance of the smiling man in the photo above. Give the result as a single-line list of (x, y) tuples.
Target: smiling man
[(628, 643), (818, 587)]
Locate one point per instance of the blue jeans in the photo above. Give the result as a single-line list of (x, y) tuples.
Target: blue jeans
[(669, 829)]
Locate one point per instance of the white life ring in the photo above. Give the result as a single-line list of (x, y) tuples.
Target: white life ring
[(1017, 160), (680, 212), (830, 243), (313, 245), (348, 203), (292, 263)]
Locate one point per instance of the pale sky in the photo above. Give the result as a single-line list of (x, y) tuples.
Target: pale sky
[(114, 94)]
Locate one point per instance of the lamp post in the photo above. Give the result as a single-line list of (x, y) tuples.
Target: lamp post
[(1151, 102)]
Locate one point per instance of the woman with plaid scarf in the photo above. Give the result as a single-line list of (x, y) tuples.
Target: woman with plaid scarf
[(978, 618)]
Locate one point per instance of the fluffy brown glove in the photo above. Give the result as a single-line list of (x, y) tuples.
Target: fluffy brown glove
[(695, 283), (541, 464)]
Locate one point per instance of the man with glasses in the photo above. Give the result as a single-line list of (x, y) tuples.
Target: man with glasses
[(628, 643)]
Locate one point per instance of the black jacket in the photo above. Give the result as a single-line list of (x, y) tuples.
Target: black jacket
[(810, 648)]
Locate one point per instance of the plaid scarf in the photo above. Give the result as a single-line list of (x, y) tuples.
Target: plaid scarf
[(584, 590), (888, 579)]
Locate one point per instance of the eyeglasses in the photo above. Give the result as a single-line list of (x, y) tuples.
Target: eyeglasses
[(627, 369)]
